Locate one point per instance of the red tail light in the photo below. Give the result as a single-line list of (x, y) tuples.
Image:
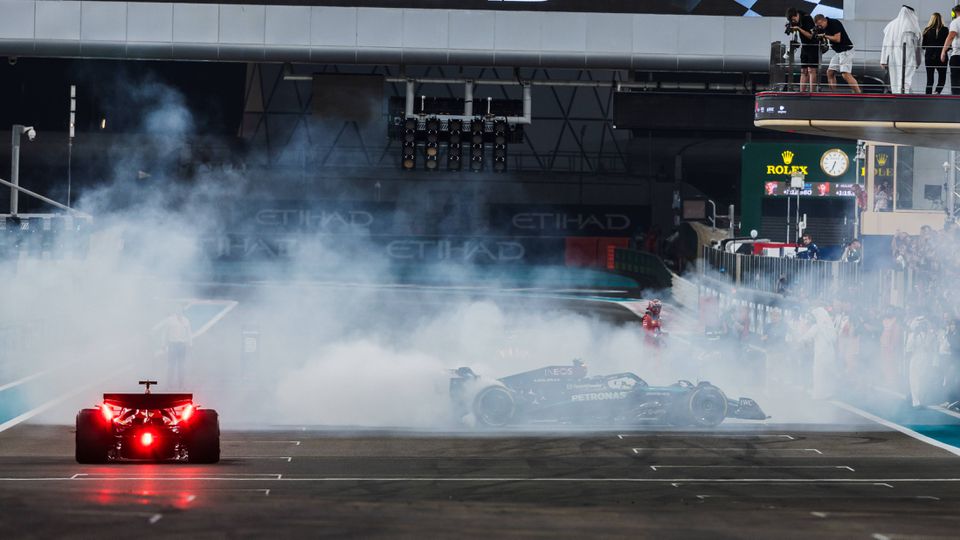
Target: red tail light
[(146, 439), (187, 413), (107, 412)]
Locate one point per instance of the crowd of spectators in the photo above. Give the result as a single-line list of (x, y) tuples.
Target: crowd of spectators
[(912, 352)]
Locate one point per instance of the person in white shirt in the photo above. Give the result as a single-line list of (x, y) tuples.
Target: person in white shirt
[(177, 338), (953, 46), (901, 50)]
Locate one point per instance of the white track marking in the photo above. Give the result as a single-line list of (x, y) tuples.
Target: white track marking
[(295, 443), (878, 536), (288, 458), (944, 410), (845, 467), (555, 480), (155, 518), (715, 435), (903, 397), (735, 449), (230, 304), (175, 476), (906, 431), (191, 498), (884, 484), (50, 404), (28, 378), (818, 514), (928, 497)]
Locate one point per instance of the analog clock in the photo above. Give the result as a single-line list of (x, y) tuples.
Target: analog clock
[(834, 162)]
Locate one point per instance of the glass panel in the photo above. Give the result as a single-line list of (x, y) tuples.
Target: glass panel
[(883, 178), (904, 184), (928, 178)]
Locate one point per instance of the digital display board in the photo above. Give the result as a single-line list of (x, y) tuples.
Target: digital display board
[(810, 189)]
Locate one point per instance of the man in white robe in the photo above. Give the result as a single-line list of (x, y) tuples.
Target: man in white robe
[(900, 32), (823, 335)]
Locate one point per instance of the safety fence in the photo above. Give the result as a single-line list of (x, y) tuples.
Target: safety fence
[(867, 68), (781, 275)]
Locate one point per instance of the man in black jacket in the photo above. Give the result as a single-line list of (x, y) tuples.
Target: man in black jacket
[(802, 25)]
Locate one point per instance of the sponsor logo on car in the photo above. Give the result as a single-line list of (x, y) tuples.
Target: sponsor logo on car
[(599, 396)]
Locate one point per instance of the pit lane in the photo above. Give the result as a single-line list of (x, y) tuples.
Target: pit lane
[(739, 480)]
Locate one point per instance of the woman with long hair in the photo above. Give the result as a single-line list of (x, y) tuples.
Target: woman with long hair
[(934, 36)]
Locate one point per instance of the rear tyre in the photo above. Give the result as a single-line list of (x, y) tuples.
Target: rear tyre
[(93, 438), (494, 407), (707, 406), (203, 438)]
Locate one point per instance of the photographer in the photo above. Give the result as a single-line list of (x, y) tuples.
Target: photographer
[(801, 24), (835, 34)]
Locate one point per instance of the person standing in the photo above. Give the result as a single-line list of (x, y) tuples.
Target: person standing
[(901, 50), (823, 336), (802, 24), (952, 45), (812, 252), (177, 337), (921, 347), (934, 36), (835, 34)]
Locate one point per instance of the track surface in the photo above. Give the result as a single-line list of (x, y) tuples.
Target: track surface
[(739, 481)]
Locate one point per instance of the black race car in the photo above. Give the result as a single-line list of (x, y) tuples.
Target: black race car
[(566, 394), (151, 427)]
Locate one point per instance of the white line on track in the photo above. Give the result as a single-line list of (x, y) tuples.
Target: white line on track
[(818, 514), (152, 517), (288, 458), (230, 304), (903, 397), (844, 467), (735, 449), (175, 476), (50, 404), (28, 378), (239, 441), (884, 484), (944, 410), (906, 431), (280, 478), (714, 435)]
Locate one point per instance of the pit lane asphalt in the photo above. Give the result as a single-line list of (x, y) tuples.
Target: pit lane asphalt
[(741, 480)]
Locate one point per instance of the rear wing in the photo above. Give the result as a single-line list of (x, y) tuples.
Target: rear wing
[(148, 401)]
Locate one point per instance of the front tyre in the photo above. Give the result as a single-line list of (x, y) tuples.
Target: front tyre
[(494, 407), (94, 437), (707, 406), (202, 439)]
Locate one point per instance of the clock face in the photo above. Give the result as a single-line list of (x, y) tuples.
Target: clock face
[(834, 162)]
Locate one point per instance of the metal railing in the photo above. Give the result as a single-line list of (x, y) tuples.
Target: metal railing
[(871, 75), (781, 275)]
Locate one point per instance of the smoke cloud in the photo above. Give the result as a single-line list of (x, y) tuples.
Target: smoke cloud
[(339, 343)]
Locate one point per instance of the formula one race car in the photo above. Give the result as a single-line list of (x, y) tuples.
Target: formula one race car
[(153, 427), (566, 394)]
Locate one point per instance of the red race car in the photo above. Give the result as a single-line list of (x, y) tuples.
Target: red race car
[(150, 427)]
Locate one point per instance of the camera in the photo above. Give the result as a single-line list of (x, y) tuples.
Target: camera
[(788, 28)]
